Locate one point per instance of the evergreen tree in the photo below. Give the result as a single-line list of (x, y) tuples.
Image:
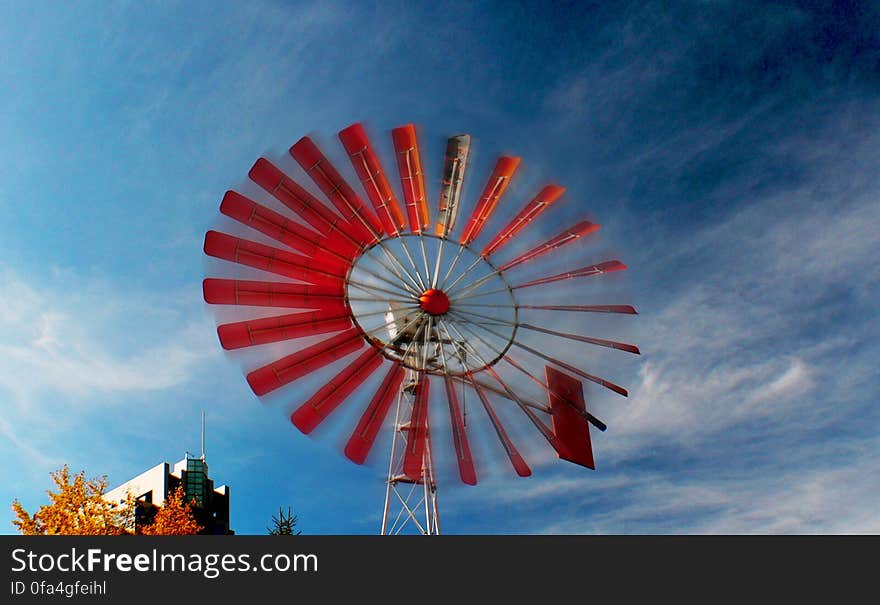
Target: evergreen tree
[(283, 524)]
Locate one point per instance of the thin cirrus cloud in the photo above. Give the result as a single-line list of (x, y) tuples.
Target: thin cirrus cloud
[(753, 394), (55, 343), (804, 500)]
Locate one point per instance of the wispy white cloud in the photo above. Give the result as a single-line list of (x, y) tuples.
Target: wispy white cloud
[(57, 344), (758, 346), (817, 498)]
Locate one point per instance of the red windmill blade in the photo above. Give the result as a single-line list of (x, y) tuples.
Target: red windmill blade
[(369, 170), (356, 290), (530, 212), (412, 179), (495, 188)]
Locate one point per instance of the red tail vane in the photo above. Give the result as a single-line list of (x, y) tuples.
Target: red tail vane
[(459, 436), (305, 361), (283, 327), (413, 458), (519, 465), (267, 258), (536, 206), (369, 170), (495, 187), (571, 428), (566, 237), (271, 294), (310, 414), (313, 211), (599, 269), (363, 222), (364, 436), (412, 179)]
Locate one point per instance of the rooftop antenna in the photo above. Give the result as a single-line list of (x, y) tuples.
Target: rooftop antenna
[(203, 434)]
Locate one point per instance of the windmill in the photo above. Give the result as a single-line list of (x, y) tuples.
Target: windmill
[(385, 288)]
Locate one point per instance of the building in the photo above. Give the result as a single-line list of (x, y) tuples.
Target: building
[(152, 487)]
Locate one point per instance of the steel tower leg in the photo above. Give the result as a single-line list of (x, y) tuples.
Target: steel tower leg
[(410, 506)]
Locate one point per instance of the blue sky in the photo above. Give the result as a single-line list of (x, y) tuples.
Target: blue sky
[(729, 150)]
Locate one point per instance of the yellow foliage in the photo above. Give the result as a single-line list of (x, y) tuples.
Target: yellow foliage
[(77, 508), (174, 519)]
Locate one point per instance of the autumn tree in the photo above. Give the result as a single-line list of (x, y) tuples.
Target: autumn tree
[(175, 518), (283, 525), (77, 508)]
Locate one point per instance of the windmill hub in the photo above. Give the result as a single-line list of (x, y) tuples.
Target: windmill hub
[(434, 301)]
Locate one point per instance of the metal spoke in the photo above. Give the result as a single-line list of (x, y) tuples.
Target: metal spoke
[(417, 281), (625, 309), (427, 344), (475, 285), (412, 262), (428, 278), (479, 384), (436, 275), (401, 285), (620, 346), (411, 302), (369, 287), (542, 428), (478, 294), (597, 379), (451, 287), (461, 249)]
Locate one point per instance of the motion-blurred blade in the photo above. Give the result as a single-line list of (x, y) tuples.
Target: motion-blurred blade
[(273, 260), (611, 344), (412, 179), (558, 362), (363, 222), (310, 414), (305, 361), (369, 170), (625, 309), (341, 236), (536, 206), (495, 187), (530, 414), (459, 436), (599, 269), (361, 442), (280, 228), (272, 294), (569, 425), (519, 464), (566, 237), (282, 327), (454, 167), (417, 437)]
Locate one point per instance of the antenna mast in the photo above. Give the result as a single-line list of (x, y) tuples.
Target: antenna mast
[(203, 434)]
